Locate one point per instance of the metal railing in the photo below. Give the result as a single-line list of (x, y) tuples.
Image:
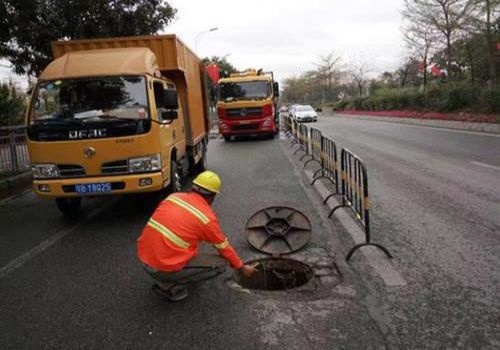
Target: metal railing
[(353, 188), (13, 150), (355, 196), (329, 165)]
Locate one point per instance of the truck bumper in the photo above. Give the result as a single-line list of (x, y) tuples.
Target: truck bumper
[(58, 188), (247, 127)]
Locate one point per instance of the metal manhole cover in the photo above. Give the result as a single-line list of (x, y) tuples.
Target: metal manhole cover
[(278, 230)]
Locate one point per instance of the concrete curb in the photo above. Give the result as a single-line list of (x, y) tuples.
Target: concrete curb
[(15, 184), (491, 128)]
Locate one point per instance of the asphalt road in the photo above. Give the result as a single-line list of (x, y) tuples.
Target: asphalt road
[(67, 285), (435, 197)]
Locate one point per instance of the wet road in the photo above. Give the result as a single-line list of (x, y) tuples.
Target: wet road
[(436, 205)]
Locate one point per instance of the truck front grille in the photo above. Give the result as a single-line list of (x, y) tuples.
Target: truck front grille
[(244, 112), (116, 167), (70, 170)]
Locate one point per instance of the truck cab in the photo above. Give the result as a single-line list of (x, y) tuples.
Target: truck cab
[(247, 104)]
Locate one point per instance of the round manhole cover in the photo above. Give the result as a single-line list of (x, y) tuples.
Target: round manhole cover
[(276, 274), (278, 230)]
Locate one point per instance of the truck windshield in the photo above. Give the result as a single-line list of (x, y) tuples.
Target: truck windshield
[(244, 90), (90, 99)]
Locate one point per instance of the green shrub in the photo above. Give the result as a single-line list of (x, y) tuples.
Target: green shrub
[(451, 97)]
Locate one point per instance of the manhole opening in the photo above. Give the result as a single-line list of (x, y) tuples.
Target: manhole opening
[(276, 274)]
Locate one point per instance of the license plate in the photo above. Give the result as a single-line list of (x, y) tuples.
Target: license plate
[(245, 122), (93, 188)]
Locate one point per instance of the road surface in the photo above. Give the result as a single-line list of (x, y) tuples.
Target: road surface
[(435, 197)]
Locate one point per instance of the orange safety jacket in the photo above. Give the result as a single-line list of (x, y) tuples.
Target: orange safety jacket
[(172, 234)]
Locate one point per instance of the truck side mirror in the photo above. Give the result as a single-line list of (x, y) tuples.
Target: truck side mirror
[(171, 104), (276, 89), (170, 99)]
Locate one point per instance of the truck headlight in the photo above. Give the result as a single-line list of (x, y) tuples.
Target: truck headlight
[(267, 122), (44, 171), (141, 164)]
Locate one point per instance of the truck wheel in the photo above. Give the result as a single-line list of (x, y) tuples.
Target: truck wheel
[(70, 207), (227, 138), (175, 177)]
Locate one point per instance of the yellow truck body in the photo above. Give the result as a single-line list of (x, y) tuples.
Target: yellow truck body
[(102, 120)]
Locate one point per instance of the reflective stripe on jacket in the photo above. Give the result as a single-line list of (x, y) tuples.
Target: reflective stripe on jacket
[(172, 234)]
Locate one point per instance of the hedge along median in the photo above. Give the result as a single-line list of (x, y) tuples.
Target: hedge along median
[(457, 101)]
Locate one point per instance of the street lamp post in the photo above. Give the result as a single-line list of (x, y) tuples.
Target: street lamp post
[(200, 33)]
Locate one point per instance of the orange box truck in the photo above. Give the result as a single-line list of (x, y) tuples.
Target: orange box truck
[(117, 115)]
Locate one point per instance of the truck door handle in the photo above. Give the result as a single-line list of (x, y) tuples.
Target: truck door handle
[(173, 134)]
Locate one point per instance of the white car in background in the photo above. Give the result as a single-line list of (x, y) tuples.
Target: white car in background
[(304, 113)]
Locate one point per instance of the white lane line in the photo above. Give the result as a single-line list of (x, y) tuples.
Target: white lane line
[(487, 165), (33, 252)]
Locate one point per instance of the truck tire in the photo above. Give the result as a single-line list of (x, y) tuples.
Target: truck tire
[(70, 207), (175, 177), (227, 138)]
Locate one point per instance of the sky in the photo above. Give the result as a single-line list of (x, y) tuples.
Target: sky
[(288, 37)]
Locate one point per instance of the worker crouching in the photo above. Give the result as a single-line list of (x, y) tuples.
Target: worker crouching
[(168, 245)]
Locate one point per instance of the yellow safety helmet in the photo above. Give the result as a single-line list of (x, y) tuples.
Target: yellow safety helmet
[(208, 180)]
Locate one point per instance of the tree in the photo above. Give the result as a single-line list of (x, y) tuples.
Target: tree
[(359, 72), (11, 105), (444, 18), (328, 69), (28, 27), (420, 40), (487, 13), (407, 73)]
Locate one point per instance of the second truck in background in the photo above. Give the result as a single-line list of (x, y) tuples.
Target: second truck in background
[(247, 104)]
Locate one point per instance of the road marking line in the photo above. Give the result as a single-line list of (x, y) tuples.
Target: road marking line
[(487, 165), (33, 252)]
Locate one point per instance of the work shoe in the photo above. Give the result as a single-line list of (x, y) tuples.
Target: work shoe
[(175, 293)]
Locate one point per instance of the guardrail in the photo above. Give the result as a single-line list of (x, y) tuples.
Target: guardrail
[(13, 150), (314, 147), (354, 192), (353, 188), (329, 165)]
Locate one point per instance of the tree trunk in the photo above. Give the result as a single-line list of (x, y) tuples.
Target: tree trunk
[(491, 46), (471, 63)]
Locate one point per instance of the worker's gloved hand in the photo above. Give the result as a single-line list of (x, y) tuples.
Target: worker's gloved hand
[(248, 270)]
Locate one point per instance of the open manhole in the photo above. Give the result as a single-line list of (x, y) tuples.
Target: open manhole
[(276, 274)]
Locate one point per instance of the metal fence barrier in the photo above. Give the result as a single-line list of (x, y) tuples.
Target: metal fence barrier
[(353, 187), (314, 144), (329, 165), (354, 191), (303, 139), (13, 150)]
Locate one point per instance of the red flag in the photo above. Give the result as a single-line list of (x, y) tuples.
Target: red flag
[(213, 72), (436, 71), (421, 66)]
